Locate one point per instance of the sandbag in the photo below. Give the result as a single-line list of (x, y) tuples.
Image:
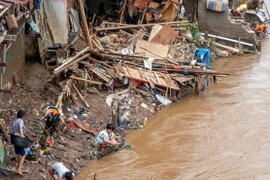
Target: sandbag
[(20, 142), (217, 5)]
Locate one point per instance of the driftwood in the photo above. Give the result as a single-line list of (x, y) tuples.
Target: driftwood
[(80, 95)]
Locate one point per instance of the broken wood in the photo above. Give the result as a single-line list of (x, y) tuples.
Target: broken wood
[(82, 126), (80, 95), (159, 56), (85, 25), (6, 91), (71, 61), (139, 26), (226, 47), (85, 80), (65, 91)]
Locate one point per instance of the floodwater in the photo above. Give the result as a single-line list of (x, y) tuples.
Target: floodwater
[(223, 133)]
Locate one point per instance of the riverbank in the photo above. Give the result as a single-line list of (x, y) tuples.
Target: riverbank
[(35, 90)]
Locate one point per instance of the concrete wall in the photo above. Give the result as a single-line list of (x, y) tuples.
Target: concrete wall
[(219, 24), (15, 59), (31, 48)]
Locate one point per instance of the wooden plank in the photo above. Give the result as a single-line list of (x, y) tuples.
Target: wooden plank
[(139, 26), (78, 92), (155, 29), (17, 1), (82, 126), (5, 91), (165, 35), (147, 77), (158, 49), (86, 80)]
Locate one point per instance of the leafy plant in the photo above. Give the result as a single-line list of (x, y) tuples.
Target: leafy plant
[(194, 30)]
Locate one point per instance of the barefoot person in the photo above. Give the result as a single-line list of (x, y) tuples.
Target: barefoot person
[(241, 8), (106, 138), (58, 171), (19, 129)]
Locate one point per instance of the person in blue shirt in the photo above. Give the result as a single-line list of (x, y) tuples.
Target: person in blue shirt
[(106, 138)]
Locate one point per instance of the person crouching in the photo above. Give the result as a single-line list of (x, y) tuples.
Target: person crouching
[(105, 138), (58, 171)]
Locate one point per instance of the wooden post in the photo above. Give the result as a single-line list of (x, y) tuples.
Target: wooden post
[(85, 26)]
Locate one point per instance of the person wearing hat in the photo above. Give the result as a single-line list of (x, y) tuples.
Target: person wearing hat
[(58, 171), (52, 118)]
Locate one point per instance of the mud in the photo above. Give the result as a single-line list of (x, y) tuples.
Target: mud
[(34, 90)]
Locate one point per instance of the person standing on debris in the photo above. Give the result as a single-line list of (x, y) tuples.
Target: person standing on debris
[(59, 171), (106, 138), (52, 118), (19, 129)]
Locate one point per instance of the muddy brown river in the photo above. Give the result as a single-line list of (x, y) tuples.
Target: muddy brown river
[(223, 133)]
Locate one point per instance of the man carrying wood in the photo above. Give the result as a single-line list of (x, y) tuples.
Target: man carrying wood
[(52, 119)]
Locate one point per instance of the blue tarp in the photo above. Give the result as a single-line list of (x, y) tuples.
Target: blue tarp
[(204, 56), (37, 4)]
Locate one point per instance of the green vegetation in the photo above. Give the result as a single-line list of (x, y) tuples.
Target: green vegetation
[(194, 30)]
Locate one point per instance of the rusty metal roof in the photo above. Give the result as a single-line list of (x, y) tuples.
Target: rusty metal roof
[(8, 3)]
